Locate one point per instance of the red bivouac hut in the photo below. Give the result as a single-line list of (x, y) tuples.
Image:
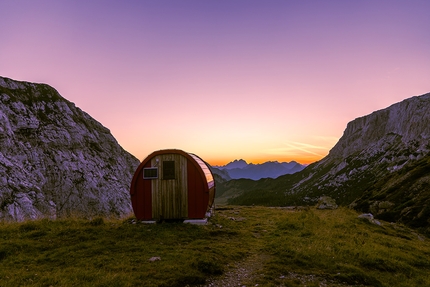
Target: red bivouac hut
[(172, 184)]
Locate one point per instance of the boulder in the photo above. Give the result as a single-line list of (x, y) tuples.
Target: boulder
[(370, 218), (326, 202)]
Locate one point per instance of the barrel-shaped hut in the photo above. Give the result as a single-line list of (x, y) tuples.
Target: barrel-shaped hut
[(172, 184)]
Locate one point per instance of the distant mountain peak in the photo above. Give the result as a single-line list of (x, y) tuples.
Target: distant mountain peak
[(235, 164), (270, 169)]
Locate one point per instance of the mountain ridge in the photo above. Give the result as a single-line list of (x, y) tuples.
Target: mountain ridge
[(373, 148), (270, 169)]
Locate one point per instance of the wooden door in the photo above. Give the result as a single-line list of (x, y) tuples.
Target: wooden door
[(170, 191)]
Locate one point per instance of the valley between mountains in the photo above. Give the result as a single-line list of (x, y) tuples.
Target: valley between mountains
[(65, 210), (57, 161), (380, 165)]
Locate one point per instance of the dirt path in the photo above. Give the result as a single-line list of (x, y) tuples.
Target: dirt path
[(247, 272), (244, 273)]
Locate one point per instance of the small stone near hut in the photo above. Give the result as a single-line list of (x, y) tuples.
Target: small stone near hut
[(155, 258)]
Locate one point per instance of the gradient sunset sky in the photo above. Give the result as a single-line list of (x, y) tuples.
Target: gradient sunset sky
[(257, 80)]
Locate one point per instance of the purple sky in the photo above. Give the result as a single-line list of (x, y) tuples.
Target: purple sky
[(258, 80)]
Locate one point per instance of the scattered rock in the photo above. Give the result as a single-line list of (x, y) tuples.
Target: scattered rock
[(237, 218), (369, 217), (153, 259), (326, 202), (378, 207)]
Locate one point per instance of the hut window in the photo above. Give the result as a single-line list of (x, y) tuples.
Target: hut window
[(168, 170), (150, 172)]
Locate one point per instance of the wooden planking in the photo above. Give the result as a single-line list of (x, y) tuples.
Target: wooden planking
[(170, 197), (146, 202), (188, 194), (192, 191), (141, 200), (197, 204)]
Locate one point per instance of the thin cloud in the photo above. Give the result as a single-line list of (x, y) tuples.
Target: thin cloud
[(304, 147), (294, 146)]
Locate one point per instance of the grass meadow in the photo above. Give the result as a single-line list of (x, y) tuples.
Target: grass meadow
[(293, 248)]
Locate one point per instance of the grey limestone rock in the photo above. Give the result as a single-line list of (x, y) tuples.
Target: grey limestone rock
[(56, 160), (326, 202), (370, 218), (371, 147)]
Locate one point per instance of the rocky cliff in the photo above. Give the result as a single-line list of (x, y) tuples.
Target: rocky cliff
[(55, 160), (371, 147), (381, 164)]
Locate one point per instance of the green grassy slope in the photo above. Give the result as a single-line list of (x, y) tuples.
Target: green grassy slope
[(402, 196), (295, 248), (399, 196)]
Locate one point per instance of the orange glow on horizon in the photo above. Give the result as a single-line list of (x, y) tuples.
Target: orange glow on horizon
[(222, 162), (303, 150)]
